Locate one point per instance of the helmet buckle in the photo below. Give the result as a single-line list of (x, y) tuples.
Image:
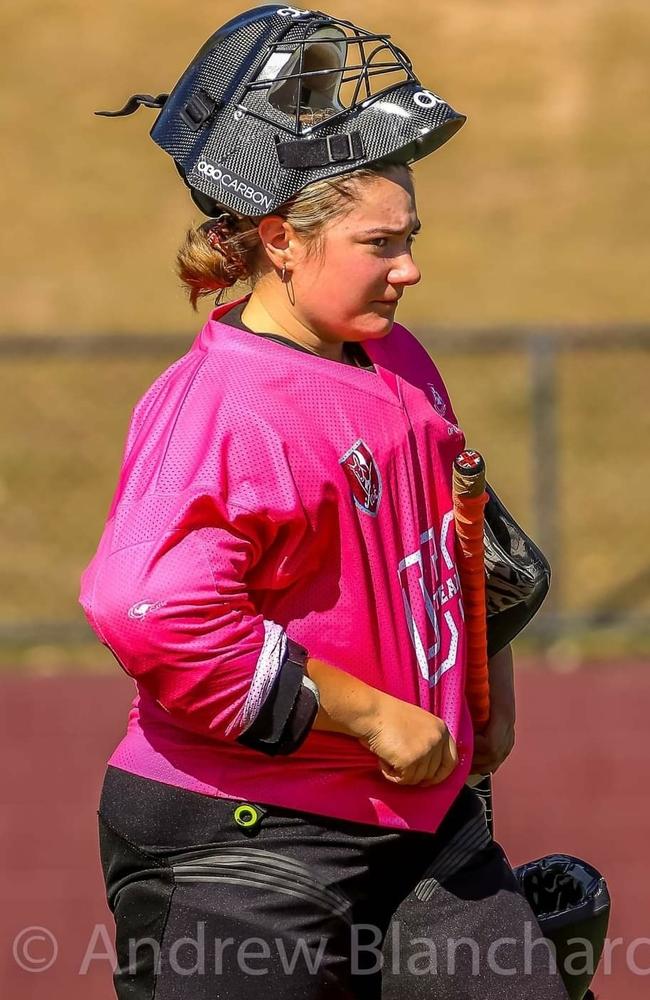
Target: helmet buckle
[(339, 148), (197, 110)]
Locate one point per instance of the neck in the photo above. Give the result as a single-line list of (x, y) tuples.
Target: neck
[(269, 311)]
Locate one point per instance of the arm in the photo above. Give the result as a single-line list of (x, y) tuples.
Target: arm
[(347, 704), (502, 682), (413, 746), (175, 611), (494, 745)]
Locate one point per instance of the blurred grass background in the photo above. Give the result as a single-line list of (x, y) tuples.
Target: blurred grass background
[(537, 213)]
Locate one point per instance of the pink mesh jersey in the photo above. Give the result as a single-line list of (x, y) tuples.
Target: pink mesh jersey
[(268, 493)]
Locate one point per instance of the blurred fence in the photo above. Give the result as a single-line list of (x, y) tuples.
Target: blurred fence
[(562, 415)]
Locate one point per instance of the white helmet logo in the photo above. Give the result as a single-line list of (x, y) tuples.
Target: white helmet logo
[(425, 99), (292, 12)]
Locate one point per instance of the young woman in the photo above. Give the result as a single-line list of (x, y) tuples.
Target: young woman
[(288, 811), (281, 519)]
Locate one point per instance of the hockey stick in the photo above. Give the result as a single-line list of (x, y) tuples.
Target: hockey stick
[(470, 498)]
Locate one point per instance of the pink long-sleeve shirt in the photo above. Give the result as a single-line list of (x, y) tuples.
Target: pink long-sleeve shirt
[(268, 493)]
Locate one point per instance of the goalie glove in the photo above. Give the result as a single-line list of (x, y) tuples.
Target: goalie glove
[(517, 575)]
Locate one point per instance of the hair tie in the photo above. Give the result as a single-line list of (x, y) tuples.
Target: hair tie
[(214, 238), (217, 231)]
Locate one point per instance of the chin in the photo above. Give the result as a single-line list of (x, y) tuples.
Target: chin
[(369, 326), (379, 326)]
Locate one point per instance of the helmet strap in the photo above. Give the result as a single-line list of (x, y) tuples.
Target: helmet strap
[(135, 102), (305, 154)]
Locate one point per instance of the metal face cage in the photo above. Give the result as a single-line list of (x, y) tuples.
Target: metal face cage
[(319, 69)]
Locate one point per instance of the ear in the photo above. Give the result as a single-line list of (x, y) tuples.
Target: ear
[(279, 240)]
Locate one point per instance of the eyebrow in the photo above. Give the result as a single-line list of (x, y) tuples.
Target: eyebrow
[(388, 230)]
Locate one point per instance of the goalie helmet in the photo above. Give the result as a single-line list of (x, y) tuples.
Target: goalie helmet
[(571, 902), (280, 97)]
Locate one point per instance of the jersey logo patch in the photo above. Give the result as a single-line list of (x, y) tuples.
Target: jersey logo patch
[(141, 609), (364, 477), (438, 402)]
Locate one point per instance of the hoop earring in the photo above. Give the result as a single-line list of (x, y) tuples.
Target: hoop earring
[(291, 295)]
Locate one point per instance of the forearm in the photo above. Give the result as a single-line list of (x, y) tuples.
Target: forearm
[(494, 744), (347, 704), (502, 683)]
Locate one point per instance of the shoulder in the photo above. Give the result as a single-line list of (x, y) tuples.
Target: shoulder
[(401, 352)]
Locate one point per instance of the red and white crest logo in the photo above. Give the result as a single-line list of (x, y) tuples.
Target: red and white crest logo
[(363, 476)]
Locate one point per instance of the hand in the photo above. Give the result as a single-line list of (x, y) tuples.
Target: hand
[(414, 747), (494, 744)]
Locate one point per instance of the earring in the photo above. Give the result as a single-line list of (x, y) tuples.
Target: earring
[(284, 273)]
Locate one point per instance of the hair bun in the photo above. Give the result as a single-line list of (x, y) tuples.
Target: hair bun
[(215, 255), (221, 234)]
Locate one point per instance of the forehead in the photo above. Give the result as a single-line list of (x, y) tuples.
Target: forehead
[(384, 200)]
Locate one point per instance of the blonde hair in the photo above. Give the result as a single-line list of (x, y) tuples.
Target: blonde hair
[(223, 251)]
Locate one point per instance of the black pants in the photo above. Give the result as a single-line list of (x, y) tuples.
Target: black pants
[(299, 905)]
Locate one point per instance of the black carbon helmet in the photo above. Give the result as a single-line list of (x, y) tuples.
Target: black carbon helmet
[(280, 97)]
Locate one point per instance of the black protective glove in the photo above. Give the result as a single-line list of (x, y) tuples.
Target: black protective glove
[(517, 575)]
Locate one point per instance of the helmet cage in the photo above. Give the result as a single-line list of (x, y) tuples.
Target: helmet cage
[(325, 82)]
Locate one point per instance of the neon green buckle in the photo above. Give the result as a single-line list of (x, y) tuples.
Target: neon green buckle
[(247, 815)]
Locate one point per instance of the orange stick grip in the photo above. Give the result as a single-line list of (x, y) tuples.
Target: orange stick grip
[(468, 515)]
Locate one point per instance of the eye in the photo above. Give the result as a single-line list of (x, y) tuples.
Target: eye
[(382, 241)]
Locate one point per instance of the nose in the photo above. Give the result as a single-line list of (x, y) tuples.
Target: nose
[(404, 270)]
